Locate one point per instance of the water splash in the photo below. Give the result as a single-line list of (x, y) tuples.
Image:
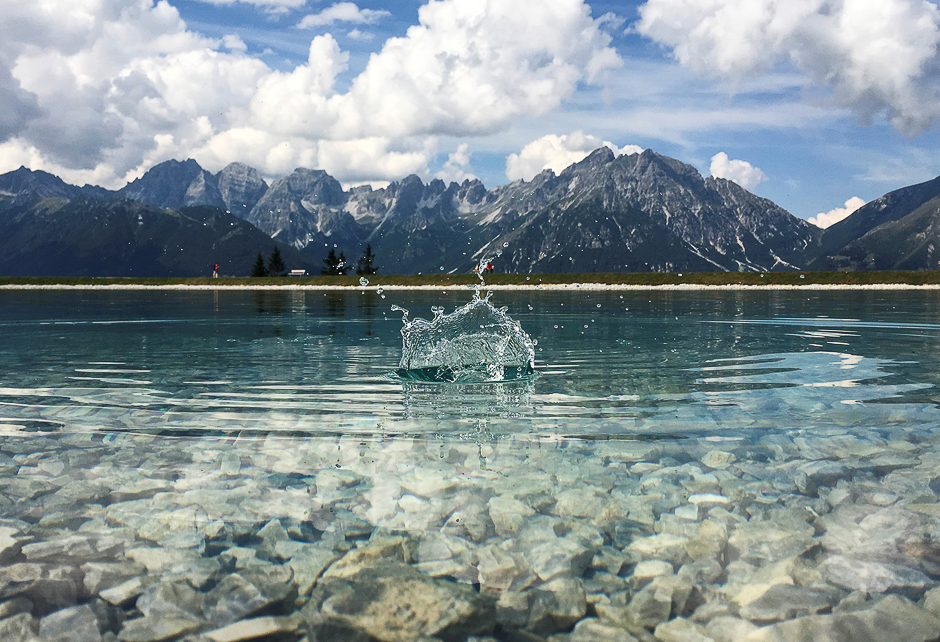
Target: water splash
[(476, 343)]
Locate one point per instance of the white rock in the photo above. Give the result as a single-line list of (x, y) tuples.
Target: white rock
[(718, 459), (508, 514)]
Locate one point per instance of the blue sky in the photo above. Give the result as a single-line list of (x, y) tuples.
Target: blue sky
[(809, 103)]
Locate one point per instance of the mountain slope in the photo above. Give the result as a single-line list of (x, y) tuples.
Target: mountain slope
[(640, 212), (90, 237), (643, 212), (174, 184), (897, 231)]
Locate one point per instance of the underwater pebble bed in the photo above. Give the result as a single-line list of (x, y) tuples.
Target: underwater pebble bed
[(829, 535)]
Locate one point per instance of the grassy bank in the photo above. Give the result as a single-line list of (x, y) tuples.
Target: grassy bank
[(642, 279)]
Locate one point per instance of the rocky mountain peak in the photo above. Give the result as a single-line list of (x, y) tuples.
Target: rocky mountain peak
[(25, 181), (174, 184), (241, 187), (312, 185)]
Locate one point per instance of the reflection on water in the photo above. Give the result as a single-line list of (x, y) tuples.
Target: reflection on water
[(319, 361)]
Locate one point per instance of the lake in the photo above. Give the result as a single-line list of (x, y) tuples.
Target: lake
[(234, 464)]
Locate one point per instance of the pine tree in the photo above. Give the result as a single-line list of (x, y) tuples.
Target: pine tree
[(342, 268), (276, 265), (364, 266), (258, 268), (335, 265), (331, 264)]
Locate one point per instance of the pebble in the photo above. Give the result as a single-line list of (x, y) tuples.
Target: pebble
[(140, 539)]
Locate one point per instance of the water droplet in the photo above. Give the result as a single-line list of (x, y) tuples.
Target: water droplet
[(506, 244), (363, 281), (442, 268), (379, 290), (585, 326), (556, 327), (598, 305), (802, 276), (531, 308), (680, 273), (527, 278)]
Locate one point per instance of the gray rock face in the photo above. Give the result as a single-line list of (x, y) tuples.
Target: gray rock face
[(241, 187), (174, 184), (24, 183), (305, 208)]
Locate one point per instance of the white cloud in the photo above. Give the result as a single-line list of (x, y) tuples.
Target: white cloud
[(105, 89), (558, 152), (739, 171), (374, 159), (234, 43), (272, 6), (364, 36), (876, 58), (833, 216), (455, 169), (464, 70), (342, 12)]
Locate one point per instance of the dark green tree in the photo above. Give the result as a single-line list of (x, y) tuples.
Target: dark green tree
[(258, 268), (330, 264), (335, 265), (276, 265), (365, 264)]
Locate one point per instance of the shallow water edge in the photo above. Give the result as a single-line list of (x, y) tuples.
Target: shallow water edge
[(554, 287)]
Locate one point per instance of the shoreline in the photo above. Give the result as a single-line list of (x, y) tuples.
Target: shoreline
[(688, 287)]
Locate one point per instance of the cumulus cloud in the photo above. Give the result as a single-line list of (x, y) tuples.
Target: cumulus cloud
[(273, 6), (342, 12), (455, 169), (106, 89), (234, 43), (374, 159), (19, 106), (833, 216), (356, 34), (739, 171), (464, 70), (877, 58), (558, 152)]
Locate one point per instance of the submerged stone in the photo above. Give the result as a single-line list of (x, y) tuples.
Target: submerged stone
[(395, 603), (75, 623), (893, 618)]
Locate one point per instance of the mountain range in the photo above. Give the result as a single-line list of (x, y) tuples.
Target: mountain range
[(607, 213)]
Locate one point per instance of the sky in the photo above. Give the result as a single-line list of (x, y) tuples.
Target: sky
[(817, 105)]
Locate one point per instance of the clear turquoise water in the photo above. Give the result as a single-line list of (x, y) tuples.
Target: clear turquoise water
[(610, 363), (723, 437)]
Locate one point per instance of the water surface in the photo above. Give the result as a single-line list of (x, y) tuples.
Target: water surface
[(697, 463)]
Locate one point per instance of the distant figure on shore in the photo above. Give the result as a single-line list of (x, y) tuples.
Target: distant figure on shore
[(484, 268), (215, 271)]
